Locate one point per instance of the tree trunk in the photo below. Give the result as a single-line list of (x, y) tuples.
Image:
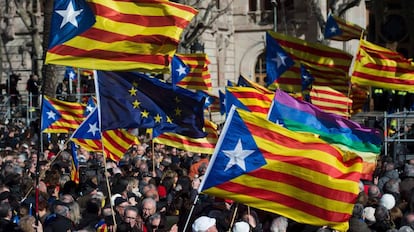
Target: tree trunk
[(49, 72)]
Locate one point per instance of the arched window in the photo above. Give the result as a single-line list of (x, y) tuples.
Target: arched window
[(260, 69)]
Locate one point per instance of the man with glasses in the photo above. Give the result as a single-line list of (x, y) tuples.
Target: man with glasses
[(132, 220)]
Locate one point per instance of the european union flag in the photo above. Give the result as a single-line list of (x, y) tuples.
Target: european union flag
[(179, 70), (134, 100), (70, 18), (277, 60)]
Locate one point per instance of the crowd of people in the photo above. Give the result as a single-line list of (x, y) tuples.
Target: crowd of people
[(154, 188)]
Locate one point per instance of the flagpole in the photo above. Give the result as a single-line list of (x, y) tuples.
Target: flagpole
[(191, 212), (98, 104), (233, 218)]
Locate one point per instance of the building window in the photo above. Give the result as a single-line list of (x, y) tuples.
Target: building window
[(260, 69), (252, 5)]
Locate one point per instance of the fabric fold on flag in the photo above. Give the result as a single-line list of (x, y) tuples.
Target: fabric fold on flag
[(60, 116), (198, 77), (117, 35), (263, 165), (113, 143), (204, 145), (133, 100), (339, 29), (380, 67)]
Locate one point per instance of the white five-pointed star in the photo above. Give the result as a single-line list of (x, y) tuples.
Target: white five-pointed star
[(93, 128), (280, 59), (51, 115), (332, 29), (69, 15), (71, 75), (89, 108), (207, 100), (181, 70), (237, 156), (306, 77)]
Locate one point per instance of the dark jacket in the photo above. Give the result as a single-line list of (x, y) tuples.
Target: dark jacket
[(58, 223)]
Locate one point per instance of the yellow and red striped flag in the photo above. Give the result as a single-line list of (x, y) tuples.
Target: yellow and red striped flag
[(266, 166), (245, 82), (249, 99), (291, 81), (339, 29), (204, 145), (117, 35), (330, 100), (61, 116), (313, 53), (199, 77), (113, 143), (380, 67), (74, 171), (359, 96)]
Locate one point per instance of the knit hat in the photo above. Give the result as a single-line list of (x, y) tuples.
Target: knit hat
[(388, 201), (202, 223), (369, 214), (241, 227)]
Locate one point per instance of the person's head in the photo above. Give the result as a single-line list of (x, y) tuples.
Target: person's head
[(120, 205), (130, 215), (155, 220), (149, 207), (5, 210), (204, 224), (374, 191), (26, 223), (279, 224)]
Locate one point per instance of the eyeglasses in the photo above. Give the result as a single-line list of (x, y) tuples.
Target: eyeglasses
[(133, 218)]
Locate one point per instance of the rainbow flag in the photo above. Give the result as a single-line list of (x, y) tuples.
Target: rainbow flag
[(199, 77), (348, 135), (339, 29), (204, 145), (380, 67), (61, 116), (117, 35), (301, 177)]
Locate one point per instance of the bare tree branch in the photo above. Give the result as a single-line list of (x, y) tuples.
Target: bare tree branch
[(342, 8), (204, 23)]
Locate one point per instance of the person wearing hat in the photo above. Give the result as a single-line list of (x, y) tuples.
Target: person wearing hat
[(60, 219), (241, 227), (120, 205), (204, 224)]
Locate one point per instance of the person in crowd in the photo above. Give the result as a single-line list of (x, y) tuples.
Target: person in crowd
[(6, 223), (59, 220), (62, 90), (204, 224), (12, 91), (33, 88)]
